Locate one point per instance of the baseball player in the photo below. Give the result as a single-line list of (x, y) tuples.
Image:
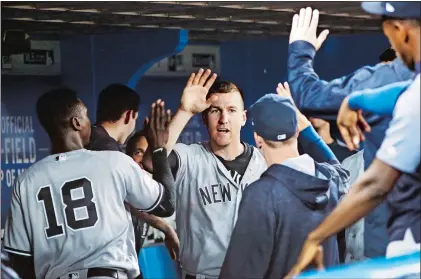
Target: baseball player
[(210, 176), (397, 160), (117, 112), (68, 217)]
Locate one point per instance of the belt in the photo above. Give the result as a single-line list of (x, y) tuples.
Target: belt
[(98, 272), (106, 272)]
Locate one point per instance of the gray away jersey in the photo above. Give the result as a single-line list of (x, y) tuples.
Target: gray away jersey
[(207, 202), (68, 212)]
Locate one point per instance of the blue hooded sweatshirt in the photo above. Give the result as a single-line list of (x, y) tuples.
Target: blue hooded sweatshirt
[(278, 211)]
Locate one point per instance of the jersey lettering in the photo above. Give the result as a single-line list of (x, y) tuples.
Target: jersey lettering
[(215, 193)]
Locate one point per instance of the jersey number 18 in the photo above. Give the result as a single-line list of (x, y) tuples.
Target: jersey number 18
[(69, 204)]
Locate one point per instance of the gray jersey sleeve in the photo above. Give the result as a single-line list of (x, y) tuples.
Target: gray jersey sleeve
[(16, 234), (183, 153), (143, 192), (401, 145)]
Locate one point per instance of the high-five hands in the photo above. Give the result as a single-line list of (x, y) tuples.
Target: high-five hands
[(284, 91), (193, 99), (158, 125), (304, 28)]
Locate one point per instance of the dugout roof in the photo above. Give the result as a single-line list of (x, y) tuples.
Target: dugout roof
[(212, 21)]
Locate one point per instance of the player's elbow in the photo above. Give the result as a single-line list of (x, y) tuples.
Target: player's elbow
[(165, 209)]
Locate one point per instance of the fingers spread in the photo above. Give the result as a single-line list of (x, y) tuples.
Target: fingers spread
[(197, 77), (153, 118), (210, 81), (322, 37), (301, 18), (307, 17), (190, 80), (314, 20), (168, 117), (204, 77), (162, 117)]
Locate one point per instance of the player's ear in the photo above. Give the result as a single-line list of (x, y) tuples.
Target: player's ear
[(76, 123), (244, 118), (127, 116), (258, 140)]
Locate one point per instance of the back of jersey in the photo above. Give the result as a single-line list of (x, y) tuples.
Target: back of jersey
[(73, 214)]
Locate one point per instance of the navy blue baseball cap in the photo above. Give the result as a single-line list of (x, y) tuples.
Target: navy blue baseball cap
[(404, 10), (274, 117)]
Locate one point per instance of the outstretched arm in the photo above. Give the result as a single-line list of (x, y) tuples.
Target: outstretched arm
[(321, 98), (193, 101)]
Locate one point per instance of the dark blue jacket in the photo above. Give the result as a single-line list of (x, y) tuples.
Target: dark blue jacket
[(319, 98), (276, 214)]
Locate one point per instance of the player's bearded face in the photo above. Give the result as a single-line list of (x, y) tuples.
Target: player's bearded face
[(225, 118)]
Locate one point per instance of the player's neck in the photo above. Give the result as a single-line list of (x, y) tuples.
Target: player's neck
[(115, 131), (228, 152), (279, 155), (66, 144)]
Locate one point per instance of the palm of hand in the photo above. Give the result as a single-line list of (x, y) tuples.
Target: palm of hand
[(194, 99)]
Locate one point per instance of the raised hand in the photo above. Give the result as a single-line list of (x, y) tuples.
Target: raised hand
[(304, 28), (158, 125), (284, 91), (350, 124), (193, 99)]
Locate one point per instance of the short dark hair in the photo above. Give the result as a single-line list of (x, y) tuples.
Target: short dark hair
[(388, 55), (131, 142), (55, 109), (222, 86), (114, 100)]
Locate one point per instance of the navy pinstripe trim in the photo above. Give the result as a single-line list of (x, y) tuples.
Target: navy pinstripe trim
[(158, 201), (17, 251)]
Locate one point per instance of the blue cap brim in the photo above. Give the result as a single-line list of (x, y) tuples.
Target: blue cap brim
[(375, 8)]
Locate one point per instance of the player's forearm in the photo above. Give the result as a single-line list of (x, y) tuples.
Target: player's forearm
[(365, 195), (380, 100), (154, 221), (162, 174), (177, 125)]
